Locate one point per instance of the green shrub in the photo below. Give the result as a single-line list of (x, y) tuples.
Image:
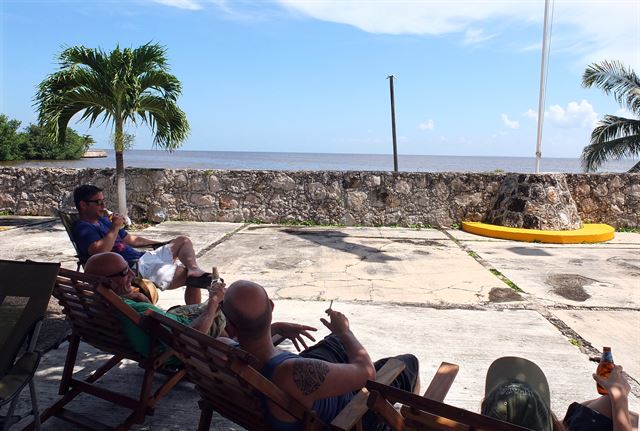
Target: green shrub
[(36, 144)]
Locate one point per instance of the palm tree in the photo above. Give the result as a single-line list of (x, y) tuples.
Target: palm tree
[(614, 137), (121, 88)]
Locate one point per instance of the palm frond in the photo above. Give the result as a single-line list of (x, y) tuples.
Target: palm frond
[(614, 138), (149, 56), (613, 77), (635, 168), (167, 120), (161, 81), (125, 85)]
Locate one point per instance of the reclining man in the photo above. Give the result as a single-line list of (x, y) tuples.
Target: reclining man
[(95, 233), (324, 376), (205, 317)]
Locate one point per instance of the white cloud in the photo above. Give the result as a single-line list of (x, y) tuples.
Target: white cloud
[(590, 30), (181, 4), (476, 35), (531, 114), (574, 115), (512, 124), (427, 125)]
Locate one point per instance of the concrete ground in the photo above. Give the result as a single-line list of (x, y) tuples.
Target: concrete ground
[(442, 295)]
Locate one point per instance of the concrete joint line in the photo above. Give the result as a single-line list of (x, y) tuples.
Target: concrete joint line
[(221, 240), (535, 305)]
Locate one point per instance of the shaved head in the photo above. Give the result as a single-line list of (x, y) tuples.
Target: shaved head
[(112, 266), (104, 264), (248, 307)]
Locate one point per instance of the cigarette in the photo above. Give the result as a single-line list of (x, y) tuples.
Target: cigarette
[(330, 304)]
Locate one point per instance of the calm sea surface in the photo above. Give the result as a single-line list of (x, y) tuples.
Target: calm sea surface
[(238, 160)]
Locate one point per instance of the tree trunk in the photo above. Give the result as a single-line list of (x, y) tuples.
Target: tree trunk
[(122, 187)]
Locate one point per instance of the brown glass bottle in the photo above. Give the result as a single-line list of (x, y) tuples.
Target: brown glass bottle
[(604, 368)]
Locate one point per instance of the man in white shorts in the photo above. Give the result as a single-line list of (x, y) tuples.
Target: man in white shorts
[(95, 233)]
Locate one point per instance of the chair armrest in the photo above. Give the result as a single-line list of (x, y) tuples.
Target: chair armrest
[(154, 246), (442, 381), (357, 407)]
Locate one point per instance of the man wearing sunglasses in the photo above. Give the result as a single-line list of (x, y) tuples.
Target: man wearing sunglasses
[(95, 233), (205, 317)]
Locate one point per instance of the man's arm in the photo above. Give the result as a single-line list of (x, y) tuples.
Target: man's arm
[(311, 379), (205, 320), (138, 241), (91, 240), (618, 388)]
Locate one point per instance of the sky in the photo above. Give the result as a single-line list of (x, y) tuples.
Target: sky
[(311, 75)]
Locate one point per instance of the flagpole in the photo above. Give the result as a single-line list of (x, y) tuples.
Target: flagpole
[(543, 83)]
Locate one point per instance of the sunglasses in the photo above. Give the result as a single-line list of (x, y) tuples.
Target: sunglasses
[(98, 202), (122, 273)]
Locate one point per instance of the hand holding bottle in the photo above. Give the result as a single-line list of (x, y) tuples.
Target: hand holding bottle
[(616, 382)]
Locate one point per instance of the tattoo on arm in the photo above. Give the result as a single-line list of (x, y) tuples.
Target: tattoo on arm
[(308, 375)]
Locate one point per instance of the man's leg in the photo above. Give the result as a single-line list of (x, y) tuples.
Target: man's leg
[(329, 349), (192, 295), (408, 380), (182, 249)]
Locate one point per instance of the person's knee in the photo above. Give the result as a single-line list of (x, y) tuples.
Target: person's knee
[(179, 242)]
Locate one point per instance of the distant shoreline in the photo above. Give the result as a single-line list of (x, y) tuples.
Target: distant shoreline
[(92, 154), (277, 161)]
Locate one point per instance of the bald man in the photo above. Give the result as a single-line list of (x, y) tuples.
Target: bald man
[(204, 317), (324, 376)]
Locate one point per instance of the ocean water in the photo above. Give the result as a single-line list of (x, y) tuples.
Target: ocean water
[(238, 160)]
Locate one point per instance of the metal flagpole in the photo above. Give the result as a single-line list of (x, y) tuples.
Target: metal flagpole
[(393, 123), (543, 83)]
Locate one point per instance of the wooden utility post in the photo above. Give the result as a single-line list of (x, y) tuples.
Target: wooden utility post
[(393, 123)]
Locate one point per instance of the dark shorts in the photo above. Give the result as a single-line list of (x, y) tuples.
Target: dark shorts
[(330, 349), (582, 418)]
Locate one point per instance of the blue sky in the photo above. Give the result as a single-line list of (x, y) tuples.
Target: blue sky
[(310, 76)]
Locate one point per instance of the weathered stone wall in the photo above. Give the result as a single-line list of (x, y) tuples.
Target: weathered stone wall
[(333, 197), (534, 201)]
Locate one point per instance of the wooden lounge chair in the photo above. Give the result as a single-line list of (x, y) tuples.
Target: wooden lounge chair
[(92, 309), (228, 381), (428, 412), (25, 289)]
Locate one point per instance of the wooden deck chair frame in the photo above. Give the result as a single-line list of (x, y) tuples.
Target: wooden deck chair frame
[(91, 309), (228, 381), (429, 412), (21, 325)]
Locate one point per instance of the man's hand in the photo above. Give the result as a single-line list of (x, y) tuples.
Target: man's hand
[(339, 323), (216, 292), (293, 332), (117, 221), (616, 382)]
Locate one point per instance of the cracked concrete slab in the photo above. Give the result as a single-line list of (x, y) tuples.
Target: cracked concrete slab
[(619, 330), (602, 275), (363, 264)]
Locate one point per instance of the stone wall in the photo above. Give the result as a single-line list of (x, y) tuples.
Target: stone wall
[(326, 197)]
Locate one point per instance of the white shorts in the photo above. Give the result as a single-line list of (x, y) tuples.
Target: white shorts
[(158, 266)]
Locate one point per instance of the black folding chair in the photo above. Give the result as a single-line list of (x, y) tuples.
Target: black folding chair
[(25, 289)]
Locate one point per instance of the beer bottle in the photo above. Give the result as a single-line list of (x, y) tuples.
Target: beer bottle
[(604, 368)]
